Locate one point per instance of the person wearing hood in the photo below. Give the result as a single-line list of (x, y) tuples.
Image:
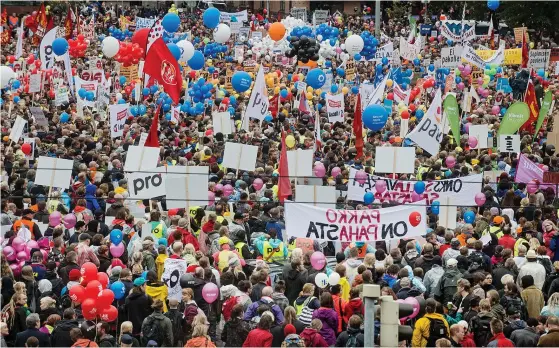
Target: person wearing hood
[(447, 286), (352, 263), (295, 279), (117, 205), (527, 336), (266, 299), (184, 235), (421, 331), (156, 289), (312, 335), (272, 248), (105, 339), (432, 277), (354, 306), (162, 323), (60, 336), (137, 306), (90, 191), (329, 318), (453, 252), (261, 336), (353, 330), (274, 224), (513, 322), (241, 246)]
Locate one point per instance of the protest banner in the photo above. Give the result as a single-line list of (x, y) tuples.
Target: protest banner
[(319, 17), (538, 59), (144, 23), (451, 56), (186, 186), (35, 83), (512, 56), (316, 195), (300, 163), (299, 13), (307, 221), (385, 51), (241, 16), (148, 183), (464, 188), (39, 116), (395, 160), (54, 172), (61, 96), (240, 156), (118, 115), (173, 269), (258, 103), (45, 49), (235, 27), (335, 107), (527, 171), (519, 34)]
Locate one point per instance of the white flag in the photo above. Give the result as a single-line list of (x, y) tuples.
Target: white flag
[(428, 134), (19, 45), (45, 50), (258, 104), (118, 116)]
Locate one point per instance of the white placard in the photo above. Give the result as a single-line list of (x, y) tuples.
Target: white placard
[(480, 132), (335, 107), (240, 156), (509, 143), (39, 116), (258, 103), (61, 96), (538, 59), (428, 134), (88, 86), (30, 141), (451, 57), (186, 186), (447, 213), (172, 271), (222, 122), (118, 115), (17, 129), (141, 158), (54, 172), (144, 23), (385, 51), (300, 162), (143, 138), (147, 184), (242, 16), (407, 50), (319, 196), (395, 160), (35, 83), (235, 27)]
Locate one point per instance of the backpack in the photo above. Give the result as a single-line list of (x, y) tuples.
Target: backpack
[(481, 327), (516, 304), (351, 340), (411, 260), (475, 262), (177, 323), (306, 312), (148, 261), (449, 285), (293, 341), (437, 330), (152, 331)]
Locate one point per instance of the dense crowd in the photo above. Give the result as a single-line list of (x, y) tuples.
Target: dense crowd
[(80, 270)]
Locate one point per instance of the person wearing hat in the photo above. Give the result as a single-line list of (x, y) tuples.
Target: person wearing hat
[(31, 231), (453, 252), (533, 268), (497, 226), (221, 258), (137, 306), (126, 340)]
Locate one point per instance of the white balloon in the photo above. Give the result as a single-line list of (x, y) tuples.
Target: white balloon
[(268, 58), (354, 44), (334, 279), (110, 46), (187, 50), (222, 33), (319, 37), (6, 75), (118, 96), (321, 280)]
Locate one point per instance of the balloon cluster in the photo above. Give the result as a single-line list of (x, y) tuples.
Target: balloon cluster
[(120, 35), (78, 47), (19, 252), (200, 90), (87, 95), (213, 49), (301, 31), (304, 48), (129, 53), (325, 32), (371, 43)]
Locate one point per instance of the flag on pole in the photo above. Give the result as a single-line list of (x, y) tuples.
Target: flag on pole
[(525, 50), (491, 33), (358, 127), (317, 137), (531, 99), (155, 33), (69, 22), (153, 139), (162, 66), (284, 184)]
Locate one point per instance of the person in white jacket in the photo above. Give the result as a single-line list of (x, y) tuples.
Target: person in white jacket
[(533, 268)]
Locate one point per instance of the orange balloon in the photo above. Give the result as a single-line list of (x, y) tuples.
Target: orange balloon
[(276, 31)]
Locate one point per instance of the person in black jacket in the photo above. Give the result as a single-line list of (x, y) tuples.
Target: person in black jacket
[(353, 333), (32, 322), (16, 312), (60, 336), (138, 306)]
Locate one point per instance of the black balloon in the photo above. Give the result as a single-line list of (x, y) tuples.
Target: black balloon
[(186, 280), (550, 149)]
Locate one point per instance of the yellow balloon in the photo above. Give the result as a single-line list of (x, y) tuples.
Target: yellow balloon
[(220, 94), (318, 91), (389, 83), (284, 112), (301, 77), (309, 96), (290, 141), (405, 108), (531, 45), (209, 62), (251, 75), (184, 84), (401, 105), (345, 90), (310, 89), (270, 82)]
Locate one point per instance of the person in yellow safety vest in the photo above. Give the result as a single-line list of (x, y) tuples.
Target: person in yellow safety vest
[(271, 249), (497, 228), (221, 258), (305, 244), (241, 246)]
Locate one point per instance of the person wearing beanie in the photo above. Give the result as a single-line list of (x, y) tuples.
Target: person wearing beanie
[(291, 337)]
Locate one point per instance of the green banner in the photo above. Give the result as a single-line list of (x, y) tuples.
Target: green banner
[(547, 99), (450, 106), (517, 114)]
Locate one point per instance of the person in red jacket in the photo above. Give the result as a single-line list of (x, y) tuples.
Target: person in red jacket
[(498, 339), (507, 241), (468, 340), (261, 336), (183, 234), (311, 335), (354, 306)]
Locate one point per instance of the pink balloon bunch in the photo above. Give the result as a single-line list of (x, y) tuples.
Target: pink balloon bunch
[(361, 177), (461, 86), (18, 244), (319, 170), (219, 187), (211, 198), (55, 218), (495, 110), (336, 171), (467, 70), (450, 162)]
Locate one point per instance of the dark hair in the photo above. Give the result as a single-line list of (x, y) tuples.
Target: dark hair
[(430, 305), (69, 313), (335, 289), (32, 342), (280, 286), (326, 300), (527, 281), (105, 326), (237, 311), (244, 285)]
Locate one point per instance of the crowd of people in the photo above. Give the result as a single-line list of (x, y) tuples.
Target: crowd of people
[(493, 281)]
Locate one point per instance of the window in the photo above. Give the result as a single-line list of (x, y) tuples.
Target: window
[(262, 4), (282, 6)]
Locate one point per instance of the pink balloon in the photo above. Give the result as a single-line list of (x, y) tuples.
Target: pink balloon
[(211, 198), (545, 168), (380, 186), (338, 50), (361, 177), (336, 171), (117, 250), (45, 255), (450, 162), (55, 218), (461, 86), (44, 243), (9, 253), (467, 70), (532, 187), (415, 304), (461, 67), (227, 190), (16, 269), (257, 184), (210, 292), (69, 221), (480, 199), (467, 127), (22, 255), (33, 245), (318, 260), (319, 170), (415, 197), (472, 141), (18, 244), (495, 110), (219, 187)]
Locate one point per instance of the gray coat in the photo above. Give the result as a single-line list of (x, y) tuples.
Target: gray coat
[(431, 280), (527, 337)]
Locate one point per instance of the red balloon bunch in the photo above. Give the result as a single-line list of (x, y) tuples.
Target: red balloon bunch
[(96, 300), (415, 92), (129, 53), (78, 47)]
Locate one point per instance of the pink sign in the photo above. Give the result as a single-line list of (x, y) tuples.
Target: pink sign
[(527, 171)]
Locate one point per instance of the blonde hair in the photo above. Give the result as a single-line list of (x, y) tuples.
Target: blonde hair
[(308, 288), (553, 302), (534, 244), (20, 288), (485, 305), (125, 328), (200, 331)]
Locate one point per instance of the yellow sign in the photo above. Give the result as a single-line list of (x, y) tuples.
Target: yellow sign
[(350, 70), (130, 72), (518, 34), (512, 56)]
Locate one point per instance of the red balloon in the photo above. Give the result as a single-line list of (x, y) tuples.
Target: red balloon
[(109, 314), (26, 148), (405, 115), (38, 63), (390, 96), (77, 293), (30, 59), (192, 74), (105, 298), (103, 278), (72, 43), (51, 94), (89, 309), (93, 289), (140, 37), (415, 218), (295, 78), (225, 101), (81, 37), (89, 271), (412, 107), (11, 59)]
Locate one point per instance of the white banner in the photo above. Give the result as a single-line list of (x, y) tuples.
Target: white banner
[(258, 104), (468, 35), (462, 189), (241, 16), (307, 221), (407, 50), (451, 57), (68, 70), (118, 115), (538, 59), (46, 53), (470, 56), (172, 271), (175, 114), (17, 129), (144, 23), (319, 17), (384, 51), (35, 83), (428, 134), (335, 107)]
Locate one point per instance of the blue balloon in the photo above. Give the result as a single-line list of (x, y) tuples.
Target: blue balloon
[(503, 111), (334, 89), (241, 81), (118, 289), (368, 198), (469, 217), (268, 118), (153, 89), (16, 84), (116, 236), (541, 72), (168, 116), (357, 57), (82, 92), (142, 109), (375, 117), (171, 22), (416, 62), (319, 107), (145, 91), (354, 89), (64, 117), (384, 61), (122, 80), (121, 101), (166, 107), (284, 93), (90, 96), (340, 72), (458, 79), (60, 46), (197, 61), (16, 99), (419, 187), (134, 110), (419, 113), (316, 78), (211, 17), (435, 207), (431, 67), (175, 50), (493, 4), (232, 100)]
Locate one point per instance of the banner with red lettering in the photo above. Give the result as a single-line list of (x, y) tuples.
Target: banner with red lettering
[(308, 221)]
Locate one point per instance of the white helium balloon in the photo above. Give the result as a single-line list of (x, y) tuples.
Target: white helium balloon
[(321, 280), (6, 75), (118, 96), (354, 44), (110, 46), (334, 279), (222, 33), (268, 58), (319, 37), (187, 50)]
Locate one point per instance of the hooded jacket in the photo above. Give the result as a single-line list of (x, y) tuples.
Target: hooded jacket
[(200, 342), (499, 340), (90, 198), (422, 326), (354, 306), (107, 341), (60, 336), (513, 326), (526, 337), (344, 337), (164, 324), (294, 282), (276, 311), (351, 269), (116, 206), (431, 280), (313, 338), (158, 290), (138, 307), (258, 338), (235, 332), (329, 319)]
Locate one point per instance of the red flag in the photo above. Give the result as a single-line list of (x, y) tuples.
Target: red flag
[(69, 23), (524, 51), (5, 37), (358, 127), (162, 66), (284, 184), (4, 20), (152, 139), (530, 99), (274, 105)]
